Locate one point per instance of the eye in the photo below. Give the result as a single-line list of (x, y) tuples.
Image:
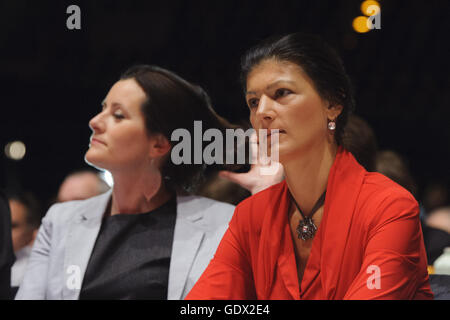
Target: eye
[(252, 103), (118, 115), (280, 93)]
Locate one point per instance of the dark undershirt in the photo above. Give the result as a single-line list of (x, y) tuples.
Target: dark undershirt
[(131, 256)]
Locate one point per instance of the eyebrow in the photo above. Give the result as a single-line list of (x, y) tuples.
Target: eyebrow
[(270, 86), (114, 103)]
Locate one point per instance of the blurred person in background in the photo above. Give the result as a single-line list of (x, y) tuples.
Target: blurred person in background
[(25, 222), (393, 166), (359, 139), (436, 195), (435, 236), (6, 249), (80, 185), (437, 232), (439, 219)]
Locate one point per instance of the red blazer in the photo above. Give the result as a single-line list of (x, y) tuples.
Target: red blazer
[(369, 245)]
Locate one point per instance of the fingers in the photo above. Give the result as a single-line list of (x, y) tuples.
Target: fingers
[(253, 148)]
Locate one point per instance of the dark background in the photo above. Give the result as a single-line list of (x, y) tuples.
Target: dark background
[(53, 79)]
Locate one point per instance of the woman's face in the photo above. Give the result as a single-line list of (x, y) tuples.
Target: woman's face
[(120, 139), (281, 96)]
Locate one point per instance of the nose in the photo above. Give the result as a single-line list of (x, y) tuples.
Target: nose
[(265, 112), (97, 124)]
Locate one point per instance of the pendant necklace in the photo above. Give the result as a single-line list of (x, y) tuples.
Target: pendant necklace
[(306, 228)]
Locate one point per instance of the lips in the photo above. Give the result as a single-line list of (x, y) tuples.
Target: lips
[(95, 140), (272, 131)]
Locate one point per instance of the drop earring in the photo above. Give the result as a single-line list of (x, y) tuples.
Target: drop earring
[(332, 125)]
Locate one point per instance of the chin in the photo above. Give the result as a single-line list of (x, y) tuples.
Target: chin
[(280, 149), (93, 160), (289, 153)]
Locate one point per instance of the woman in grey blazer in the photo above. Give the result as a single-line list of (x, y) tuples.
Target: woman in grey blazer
[(146, 238)]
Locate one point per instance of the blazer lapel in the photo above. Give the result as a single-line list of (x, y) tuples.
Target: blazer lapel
[(286, 258), (80, 243), (188, 236), (344, 186)]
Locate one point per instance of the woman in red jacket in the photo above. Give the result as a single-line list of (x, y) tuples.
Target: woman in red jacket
[(330, 230)]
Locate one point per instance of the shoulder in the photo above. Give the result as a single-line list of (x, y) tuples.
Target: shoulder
[(380, 188), (382, 199), (64, 212), (192, 206)]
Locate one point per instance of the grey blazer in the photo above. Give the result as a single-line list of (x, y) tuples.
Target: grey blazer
[(68, 232)]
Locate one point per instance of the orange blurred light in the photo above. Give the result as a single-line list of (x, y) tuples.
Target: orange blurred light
[(360, 24), (370, 11)]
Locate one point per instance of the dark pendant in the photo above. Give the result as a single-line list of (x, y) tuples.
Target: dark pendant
[(306, 229)]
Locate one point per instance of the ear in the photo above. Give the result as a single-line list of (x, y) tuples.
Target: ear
[(333, 111), (159, 145)]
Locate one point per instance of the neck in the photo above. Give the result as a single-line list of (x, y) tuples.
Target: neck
[(138, 191), (307, 175)]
